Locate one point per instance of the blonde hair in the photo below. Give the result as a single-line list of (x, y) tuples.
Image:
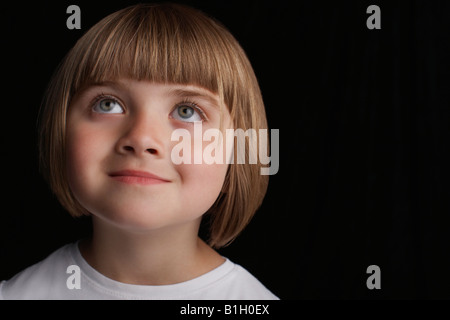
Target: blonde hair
[(164, 43)]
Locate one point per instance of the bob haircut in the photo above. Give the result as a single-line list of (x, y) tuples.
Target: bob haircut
[(164, 43)]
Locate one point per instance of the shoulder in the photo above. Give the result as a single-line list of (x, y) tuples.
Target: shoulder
[(239, 284), (41, 280), (250, 287)]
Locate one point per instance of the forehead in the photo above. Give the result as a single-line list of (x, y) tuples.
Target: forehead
[(174, 46), (158, 47)]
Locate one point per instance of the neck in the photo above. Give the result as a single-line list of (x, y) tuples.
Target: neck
[(158, 257)]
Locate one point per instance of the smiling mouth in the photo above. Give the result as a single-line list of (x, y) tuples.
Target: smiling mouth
[(137, 177)]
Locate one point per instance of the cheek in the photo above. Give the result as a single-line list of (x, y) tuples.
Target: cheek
[(85, 148), (79, 144), (202, 184), (203, 181)]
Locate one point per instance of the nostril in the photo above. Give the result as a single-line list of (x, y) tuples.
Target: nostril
[(130, 149)]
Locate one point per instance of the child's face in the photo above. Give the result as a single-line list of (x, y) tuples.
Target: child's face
[(119, 131)]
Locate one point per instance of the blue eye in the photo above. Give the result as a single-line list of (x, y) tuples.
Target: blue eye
[(187, 113), (108, 105)]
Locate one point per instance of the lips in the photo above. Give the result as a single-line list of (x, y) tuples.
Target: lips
[(137, 177)]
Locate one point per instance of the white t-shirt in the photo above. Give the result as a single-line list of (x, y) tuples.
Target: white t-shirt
[(54, 279)]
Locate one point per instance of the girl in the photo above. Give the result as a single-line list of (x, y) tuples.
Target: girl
[(106, 130)]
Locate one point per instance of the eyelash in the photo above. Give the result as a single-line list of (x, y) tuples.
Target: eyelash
[(194, 105), (188, 102), (102, 96)]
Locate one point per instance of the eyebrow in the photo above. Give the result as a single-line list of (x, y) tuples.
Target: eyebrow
[(179, 92), (107, 83), (182, 92), (92, 84)]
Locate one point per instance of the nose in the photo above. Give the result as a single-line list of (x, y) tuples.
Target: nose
[(143, 135)]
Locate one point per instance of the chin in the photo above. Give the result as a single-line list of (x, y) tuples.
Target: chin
[(141, 221)]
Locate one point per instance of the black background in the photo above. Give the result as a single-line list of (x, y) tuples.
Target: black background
[(363, 118)]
